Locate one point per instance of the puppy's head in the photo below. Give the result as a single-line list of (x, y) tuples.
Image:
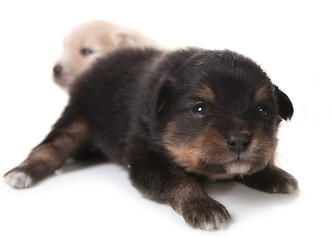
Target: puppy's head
[(220, 114), (88, 42)]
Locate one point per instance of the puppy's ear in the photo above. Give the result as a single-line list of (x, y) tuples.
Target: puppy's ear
[(285, 106), (161, 95), (124, 39)]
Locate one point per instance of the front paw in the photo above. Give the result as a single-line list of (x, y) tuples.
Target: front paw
[(283, 182), (271, 180), (206, 214), (18, 179)]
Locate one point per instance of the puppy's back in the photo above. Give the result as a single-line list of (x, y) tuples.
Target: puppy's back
[(112, 74), (106, 93)]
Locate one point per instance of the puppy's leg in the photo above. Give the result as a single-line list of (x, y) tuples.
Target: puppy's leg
[(60, 144), (164, 182), (272, 180)]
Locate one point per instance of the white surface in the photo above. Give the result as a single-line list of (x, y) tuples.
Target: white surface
[(290, 39)]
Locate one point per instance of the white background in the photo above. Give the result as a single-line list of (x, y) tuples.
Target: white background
[(291, 40)]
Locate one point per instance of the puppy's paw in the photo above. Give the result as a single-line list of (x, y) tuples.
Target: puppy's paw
[(271, 180), (283, 182), (206, 214), (18, 179)]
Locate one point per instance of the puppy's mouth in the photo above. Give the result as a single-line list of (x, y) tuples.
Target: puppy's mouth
[(239, 163), (244, 163), (61, 80), (238, 168)]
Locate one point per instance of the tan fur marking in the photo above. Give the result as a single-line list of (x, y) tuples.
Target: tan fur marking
[(45, 151), (189, 154), (265, 146), (262, 94), (53, 154), (74, 134), (206, 93)]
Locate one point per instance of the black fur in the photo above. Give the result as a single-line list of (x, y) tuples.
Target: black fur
[(169, 117)]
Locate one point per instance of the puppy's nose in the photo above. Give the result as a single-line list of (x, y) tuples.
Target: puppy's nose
[(57, 70), (238, 142)]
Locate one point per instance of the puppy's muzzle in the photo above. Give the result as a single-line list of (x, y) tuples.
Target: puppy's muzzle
[(238, 142), (57, 70)]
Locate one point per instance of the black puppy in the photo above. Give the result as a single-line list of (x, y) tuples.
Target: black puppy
[(172, 117)]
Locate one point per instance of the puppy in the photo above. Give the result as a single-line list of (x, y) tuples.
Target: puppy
[(172, 118), (89, 41)]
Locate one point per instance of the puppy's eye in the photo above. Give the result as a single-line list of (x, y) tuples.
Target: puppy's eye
[(200, 109), (263, 111), (86, 51)]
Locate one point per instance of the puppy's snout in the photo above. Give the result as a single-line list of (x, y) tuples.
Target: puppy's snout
[(238, 142), (57, 70)]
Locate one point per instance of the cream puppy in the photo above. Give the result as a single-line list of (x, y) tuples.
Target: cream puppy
[(91, 40)]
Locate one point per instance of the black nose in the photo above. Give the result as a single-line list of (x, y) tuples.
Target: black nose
[(238, 142), (57, 70)]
